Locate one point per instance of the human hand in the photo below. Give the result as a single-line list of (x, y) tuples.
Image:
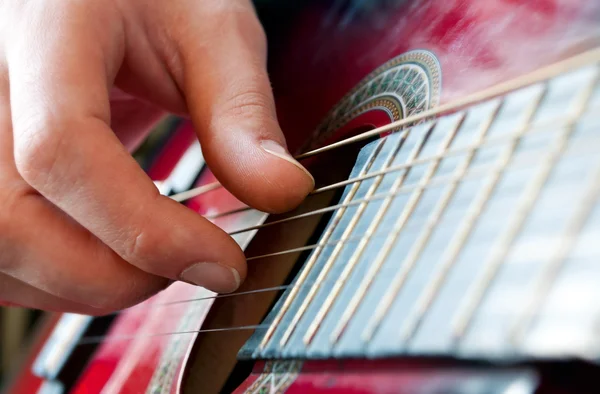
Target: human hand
[(82, 228)]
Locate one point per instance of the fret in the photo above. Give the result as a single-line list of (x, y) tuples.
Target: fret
[(435, 333), (338, 247), (570, 310), (550, 272), (536, 129), (405, 301), (315, 254), (518, 161), (502, 245), (418, 142), (379, 159), (577, 221), (361, 246), (424, 270), (330, 259), (400, 224), (369, 266), (457, 243), (357, 255), (374, 268), (422, 136), (423, 303)]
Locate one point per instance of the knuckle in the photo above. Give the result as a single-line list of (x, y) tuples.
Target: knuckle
[(249, 103), (142, 248), (37, 147)]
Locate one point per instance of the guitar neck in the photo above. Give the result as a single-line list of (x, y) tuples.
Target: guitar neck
[(466, 236)]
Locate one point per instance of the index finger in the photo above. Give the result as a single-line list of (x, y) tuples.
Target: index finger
[(65, 148)]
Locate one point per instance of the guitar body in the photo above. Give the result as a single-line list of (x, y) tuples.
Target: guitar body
[(402, 58)]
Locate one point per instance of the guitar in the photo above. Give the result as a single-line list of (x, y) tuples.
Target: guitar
[(450, 244)]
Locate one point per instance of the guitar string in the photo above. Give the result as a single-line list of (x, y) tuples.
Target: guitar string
[(407, 188), (94, 340), (539, 75), (520, 160), (517, 163), (99, 339), (216, 185), (486, 142), (88, 340), (143, 307)]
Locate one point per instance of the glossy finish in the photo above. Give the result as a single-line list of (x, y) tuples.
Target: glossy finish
[(319, 53), (386, 376)]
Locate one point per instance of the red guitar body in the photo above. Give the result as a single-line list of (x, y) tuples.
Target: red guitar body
[(319, 52)]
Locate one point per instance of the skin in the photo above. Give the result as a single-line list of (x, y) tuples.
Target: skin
[(82, 228)]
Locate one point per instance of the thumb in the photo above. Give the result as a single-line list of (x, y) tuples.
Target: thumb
[(230, 100)]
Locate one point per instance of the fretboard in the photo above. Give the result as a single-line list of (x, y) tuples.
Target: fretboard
[(474, 235)]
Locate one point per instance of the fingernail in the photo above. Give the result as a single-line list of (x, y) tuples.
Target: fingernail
[(213, 276), (276, 149)]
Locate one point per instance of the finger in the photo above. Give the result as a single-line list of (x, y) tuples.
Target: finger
[(16, 293), (65, 149), (48, 250), (230, 100), (44, 249)]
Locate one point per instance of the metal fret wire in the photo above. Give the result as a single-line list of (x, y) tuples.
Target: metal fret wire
[(367, 282), (542, 74), (574, 226), (550, 272), (314, 256), (345, 235), (414, 252), (397, 185), (539, 128), (503, 243), (430, 292), (487, 142), (373, 226), (517, 163), (456, 152), (338, 247), (457, 243), (473, 173)]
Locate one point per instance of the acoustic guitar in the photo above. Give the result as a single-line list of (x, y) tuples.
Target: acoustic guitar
[(451, 244)]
